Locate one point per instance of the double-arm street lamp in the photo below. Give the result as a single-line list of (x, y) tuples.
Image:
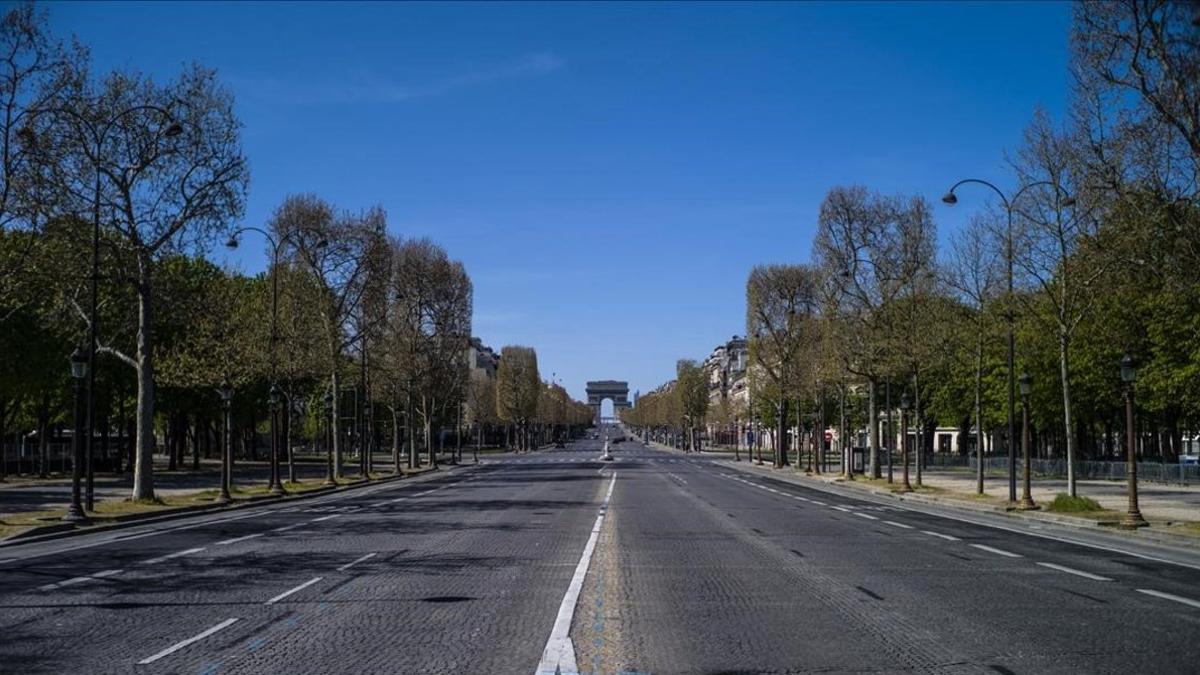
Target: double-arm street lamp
[(276, 486), (1009, 205), (99, 134), (226, 391), (79, 370), (1027, 503), (1133, 517)]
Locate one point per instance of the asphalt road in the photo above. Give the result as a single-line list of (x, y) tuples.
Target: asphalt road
[(652, 563)]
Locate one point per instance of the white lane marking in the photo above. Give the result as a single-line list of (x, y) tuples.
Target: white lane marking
[(180, 645), (79, 580), (396, 500), (163, 558), (866, 515), (818, 503), (997, 551), (317, 520), (939, 534), (1168, 596), (285, 528), (899, 525), (842, 508), (1071, 570), (237, 539), (558, 658), (352, 563), (301, 587)]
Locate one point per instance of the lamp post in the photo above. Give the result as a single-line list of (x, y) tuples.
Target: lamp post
[(905, 406), (79, 370), (951, 199), (329, 479), (273, 400), (226, 392), (99, 133), (1027, 503), (1133, 517)]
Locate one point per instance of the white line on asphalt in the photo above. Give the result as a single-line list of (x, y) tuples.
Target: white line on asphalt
[(301, 587), (900, 525), (285, 528), (236, 540), (558, 658), (842, 508), (818, 503), (176, 554), (866, 515), (939, 534), (352, 563), (1168, 596), (180, 645), (1071, 570), (317, 520), (997, 551), (79, 580)]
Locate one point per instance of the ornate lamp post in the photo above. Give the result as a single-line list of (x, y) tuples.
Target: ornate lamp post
[(1026, 503), (329, 479), (905, 406), (1133, 517), (1009, 203), (79, 370), (273, 400), (226, 392)]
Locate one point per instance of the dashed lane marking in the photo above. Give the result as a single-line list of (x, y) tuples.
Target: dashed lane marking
[(899, 525), (1169, 596), (169, 556), (317, 520), (867, 516), (997, 551), (237, 539), (79, 580), (1071, 570), (180, 645), (940, 535), (297, 589), (352, 563), (285, 528)]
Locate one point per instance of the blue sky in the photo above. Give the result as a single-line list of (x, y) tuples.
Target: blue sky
[(609, 173)]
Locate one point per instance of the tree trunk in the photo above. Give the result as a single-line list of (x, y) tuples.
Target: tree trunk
[(336, 422), (1066, 393), (873, 435), (979, 417), (781, 446), (395, 440), (143, 470)]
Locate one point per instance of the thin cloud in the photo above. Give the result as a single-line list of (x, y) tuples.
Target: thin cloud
[(370, 88)]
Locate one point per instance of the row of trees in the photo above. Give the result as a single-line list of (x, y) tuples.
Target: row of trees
[(345, 314), (1102, 236)]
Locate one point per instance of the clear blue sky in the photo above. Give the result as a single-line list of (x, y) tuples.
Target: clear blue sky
[(609, 173)]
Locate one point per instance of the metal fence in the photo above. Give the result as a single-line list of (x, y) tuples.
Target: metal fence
[(1157, 472)]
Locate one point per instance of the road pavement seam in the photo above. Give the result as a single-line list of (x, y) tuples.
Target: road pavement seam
[(297, 589), (997, 551), (1071, 570), (195, 638), (177, 554), (558, 658), (1169, 596)]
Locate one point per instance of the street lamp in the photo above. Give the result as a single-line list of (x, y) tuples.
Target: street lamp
[(329, 479), (1133, 517), (905, 406), (225, 390), (950, 199), (1027, 504), (79, 370)]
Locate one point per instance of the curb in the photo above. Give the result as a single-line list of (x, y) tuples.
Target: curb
[(1145, 534), (65, 530)]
